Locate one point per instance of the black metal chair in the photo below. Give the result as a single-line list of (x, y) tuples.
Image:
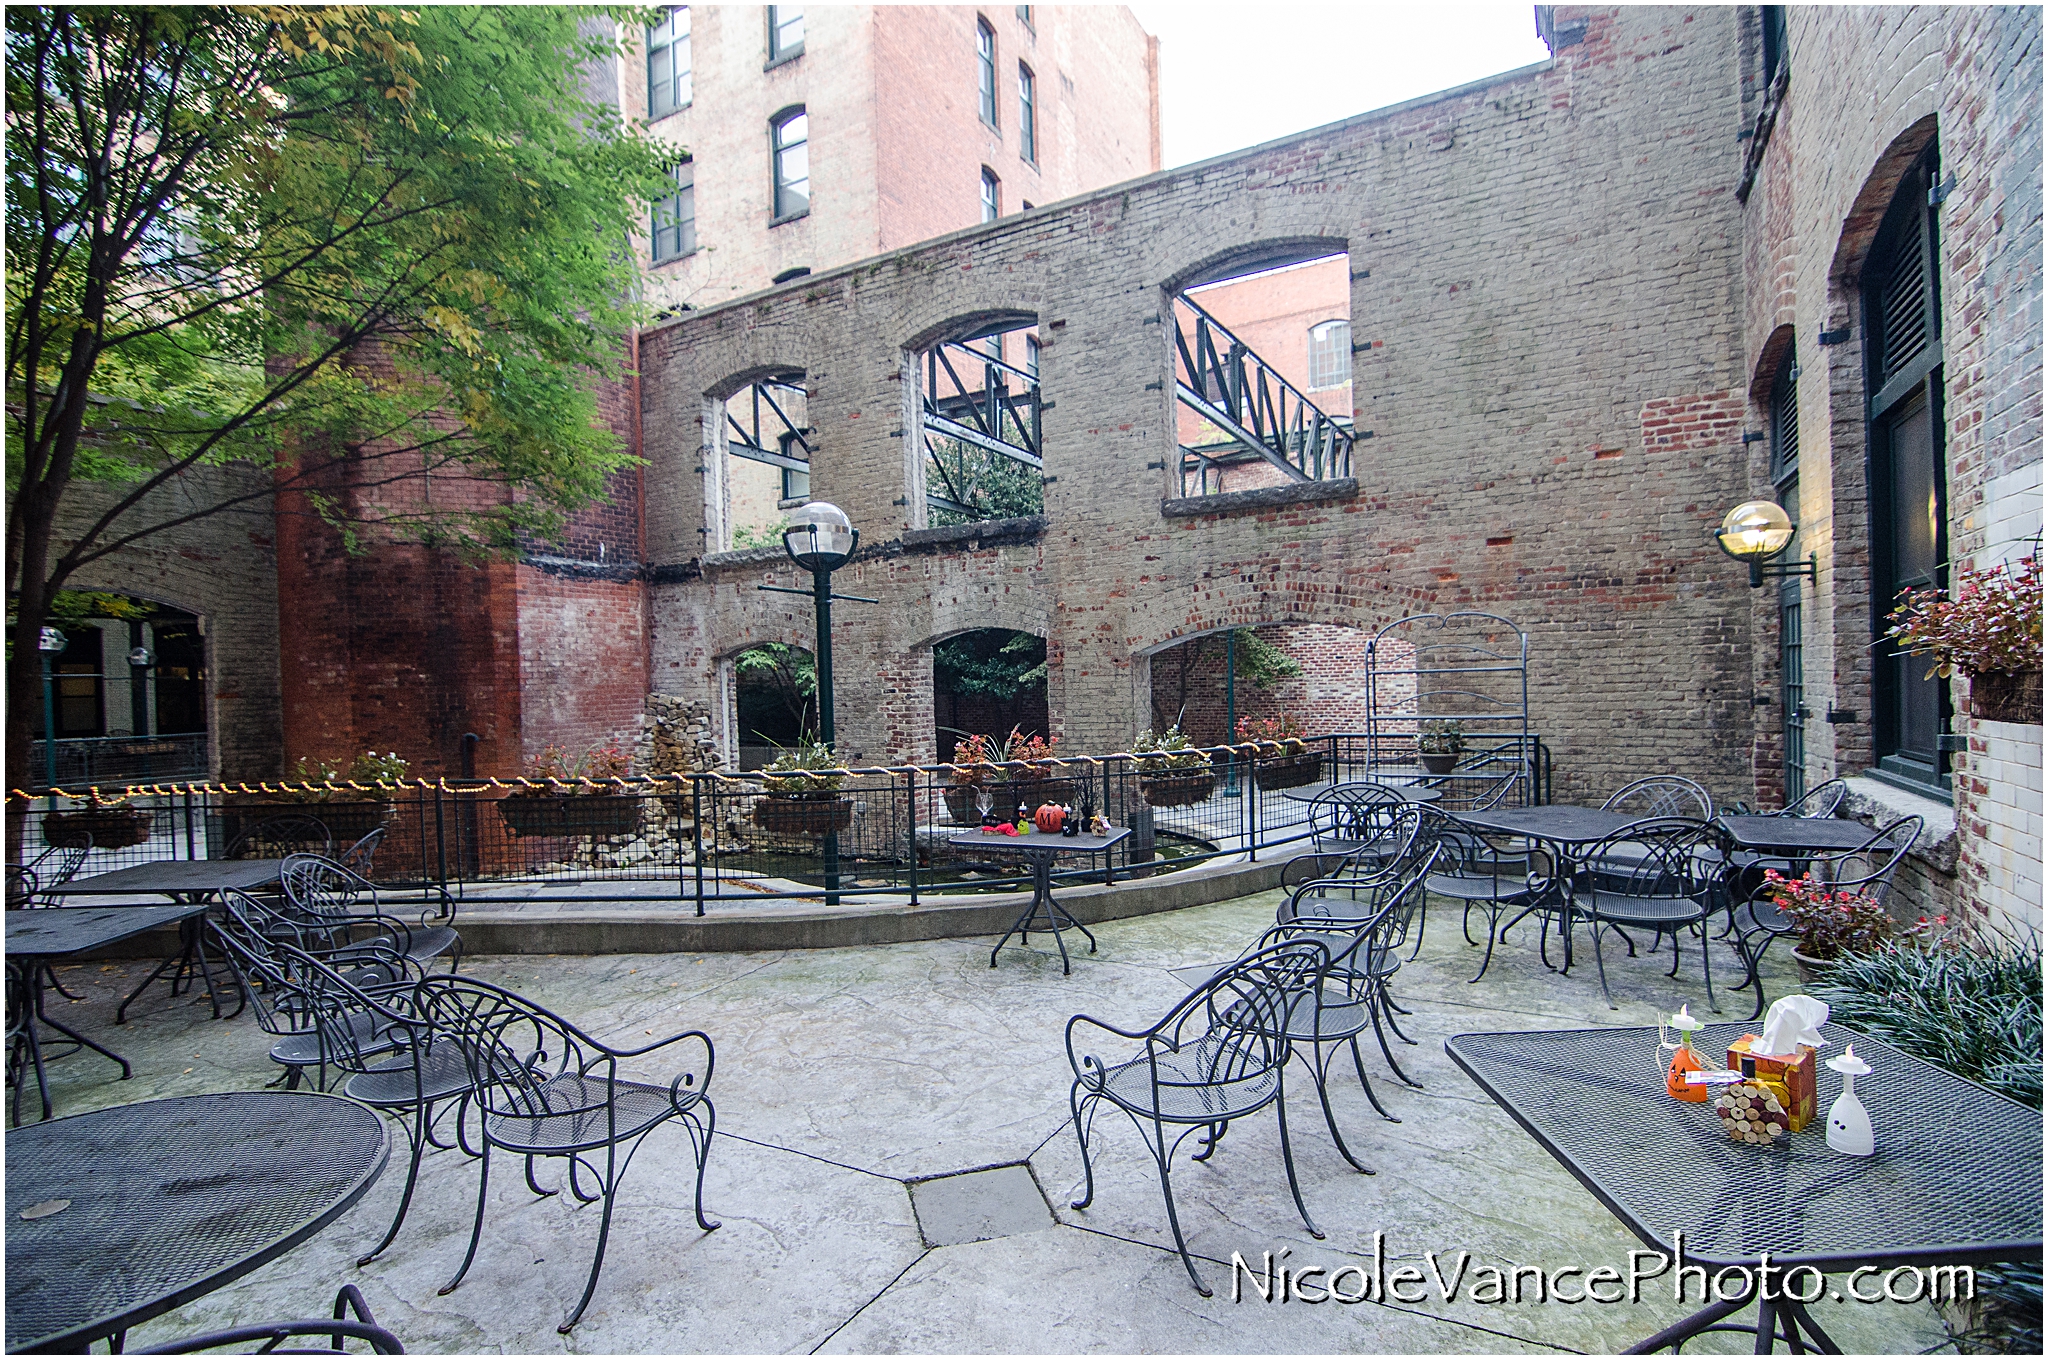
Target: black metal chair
[(1746, 867), (337, 1330), (275, 837), (360, 858), (547, 1089), (28, 890), (1657, 875), (1341, 820), (1662, 795), (326, 891), (1817, 802), (1220, 1054), (1484, 783), (1869, 869), (1483, 874)]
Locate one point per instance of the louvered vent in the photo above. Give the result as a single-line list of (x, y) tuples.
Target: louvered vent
[(1904, 304), (1785, 425)]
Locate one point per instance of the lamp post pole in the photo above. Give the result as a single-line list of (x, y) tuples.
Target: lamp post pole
[(49, 644), (821, 589)]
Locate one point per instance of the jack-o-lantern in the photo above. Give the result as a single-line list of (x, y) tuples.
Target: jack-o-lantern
[(1050, 818)]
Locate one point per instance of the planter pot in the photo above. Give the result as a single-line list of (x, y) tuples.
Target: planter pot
[(1289, 772), (1177, 790), (598, 814), (1004, 798), (803, 814), (346, 822), (1438, 763), (2006, 696), (105, 829), (1811, 969)]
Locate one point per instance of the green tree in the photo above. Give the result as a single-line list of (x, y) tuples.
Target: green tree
[(778, 688), (987, 485), (361, 249), (987, 662)]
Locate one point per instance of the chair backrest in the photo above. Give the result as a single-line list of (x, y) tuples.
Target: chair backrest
[(285, 834), (1343, 813), (1663, 795), (320, 885), (28, 886), (1366, 940), (1236, 1022), (1819, 802), (1871, 867), (1400, 835), (515, 1049), (264, 923), (360, 858), (1660, 857), (1485, 783)]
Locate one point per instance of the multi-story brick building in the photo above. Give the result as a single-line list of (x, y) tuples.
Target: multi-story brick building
[(1593, 304)]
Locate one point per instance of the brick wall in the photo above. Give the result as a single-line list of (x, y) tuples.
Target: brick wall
[(1509, 396)]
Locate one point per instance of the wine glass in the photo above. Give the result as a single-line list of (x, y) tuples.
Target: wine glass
[(983, 801)]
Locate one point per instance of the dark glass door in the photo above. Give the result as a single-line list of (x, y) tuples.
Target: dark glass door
[(1911, 712)]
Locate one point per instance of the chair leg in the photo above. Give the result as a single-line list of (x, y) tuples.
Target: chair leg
[(703, 1156), (534, 1185), (1162, 1153), (418, 1135), (50, 976), (1358, 1061), (476, 1231), (604, 1232), (1492, 922), (1387, 1000), (1754, 959), (1287, 1156), (1329, 1115), (1081, 1136), (1372, 1009), (1211, 1136), (1600, 962), (1421, 924), (1706, 965)]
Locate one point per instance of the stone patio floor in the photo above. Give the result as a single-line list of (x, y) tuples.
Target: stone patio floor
[(849, 1079)]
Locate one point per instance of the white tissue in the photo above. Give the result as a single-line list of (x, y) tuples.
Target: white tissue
[(1790, 1022)]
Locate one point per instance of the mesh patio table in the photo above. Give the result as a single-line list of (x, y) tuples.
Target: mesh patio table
[(34, 938), (1789, 835), (181, 880), (1040, 850), (168, 1200), (1956, 1179)]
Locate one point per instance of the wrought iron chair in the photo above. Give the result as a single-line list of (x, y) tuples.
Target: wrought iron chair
[(1484, 783), (1653, 875), (1662, 795), (1218, 1055), (28, 890), (276, 837), (338, 1329), (360, 858), (1746, 867), (1340, 818), (1869, 869), (547, 1089), (328, 892), (1817, 802), (1495, 878)]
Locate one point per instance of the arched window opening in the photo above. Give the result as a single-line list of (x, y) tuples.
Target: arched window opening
[(775, 701), (986, 683), (1243, 378), (790, 135), (767, 441), (981, 406)]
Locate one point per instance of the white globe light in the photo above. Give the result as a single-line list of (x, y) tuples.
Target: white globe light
[(1755, 531), (819, 537)]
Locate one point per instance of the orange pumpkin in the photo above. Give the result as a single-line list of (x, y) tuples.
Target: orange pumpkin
[(1050, 818)]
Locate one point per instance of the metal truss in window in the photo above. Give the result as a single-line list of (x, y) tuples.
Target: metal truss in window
[(983, 445), (1250, 411), (768, 434)]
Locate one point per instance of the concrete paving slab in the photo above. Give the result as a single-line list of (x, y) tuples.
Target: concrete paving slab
[(976, 1206)]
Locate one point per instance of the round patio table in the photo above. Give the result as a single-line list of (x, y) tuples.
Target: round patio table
[(117, 1216)]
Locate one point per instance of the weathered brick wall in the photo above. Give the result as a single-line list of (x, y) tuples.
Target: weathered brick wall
[(1553, 264), (1867, 89), (222, 568)]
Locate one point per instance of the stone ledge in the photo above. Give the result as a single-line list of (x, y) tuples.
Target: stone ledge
[(1263, 498), (739, 558), (1875, 803), (1024, 529)]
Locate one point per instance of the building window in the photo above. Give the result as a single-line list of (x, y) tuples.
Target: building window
[(1908, 510), (675, 217), (991, 195), (1024, 14), (1785, 421), (791, 136), (985, 51), (1773, 17), (1031, 356), (1027, 112), (668, 63), (1791, 614), (785, 32), (1329, 354)]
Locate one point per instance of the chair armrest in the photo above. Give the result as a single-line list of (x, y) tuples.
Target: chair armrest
[(1078, 1061)]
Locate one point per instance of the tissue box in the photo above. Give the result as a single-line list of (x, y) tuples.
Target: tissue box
[(1796, 1071)]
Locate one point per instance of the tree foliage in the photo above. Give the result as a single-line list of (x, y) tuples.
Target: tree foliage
[(363, 249), (990, 485), (783, 679), (989, 662)]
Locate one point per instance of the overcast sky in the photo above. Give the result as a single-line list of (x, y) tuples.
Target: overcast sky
[(1235, 75)]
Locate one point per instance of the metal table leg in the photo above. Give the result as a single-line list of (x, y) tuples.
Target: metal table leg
[(1055, 915)]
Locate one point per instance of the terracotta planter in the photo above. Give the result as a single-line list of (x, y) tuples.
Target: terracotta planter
[(346, 822), (1438, 762), (1811, 969), (1289, 772), (803, 814), (1177, 790), (104, 829), (2006, 696), (1004, 798), (598, 814)]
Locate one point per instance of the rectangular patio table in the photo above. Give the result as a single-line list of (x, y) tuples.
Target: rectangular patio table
[(36, 937), (1956, 1179), (1788, 835), (181, 880), (1040, 850)]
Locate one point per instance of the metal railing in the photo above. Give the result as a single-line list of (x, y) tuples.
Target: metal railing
[(702, 840), (1226, 383), (121, 760)]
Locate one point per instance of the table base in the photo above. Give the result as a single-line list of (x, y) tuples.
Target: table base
[(1055, 915), (26, 1045), (1780, 1318), (189, 963)]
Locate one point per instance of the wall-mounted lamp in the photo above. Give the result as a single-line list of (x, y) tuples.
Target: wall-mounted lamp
[(1756, 531)]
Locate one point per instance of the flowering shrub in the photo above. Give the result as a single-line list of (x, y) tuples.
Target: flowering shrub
[(367, 768), (985, 752), (1283, 728), (1441, 737), (1831, 924), (1986, 621)]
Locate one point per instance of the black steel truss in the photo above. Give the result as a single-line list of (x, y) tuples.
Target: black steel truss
[(1260, 413), (746, 441), (996, 410)]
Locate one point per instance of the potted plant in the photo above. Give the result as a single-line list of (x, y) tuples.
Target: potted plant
[(349, 800), (571, 798), (984, 763), (1986, 625), (800, 789), (1293, 764), (1439, 744), (1830, 924), (105, 822), (1172, 771)]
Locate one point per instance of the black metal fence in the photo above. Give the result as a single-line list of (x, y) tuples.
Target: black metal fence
[(76, 762), (700, 840)]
